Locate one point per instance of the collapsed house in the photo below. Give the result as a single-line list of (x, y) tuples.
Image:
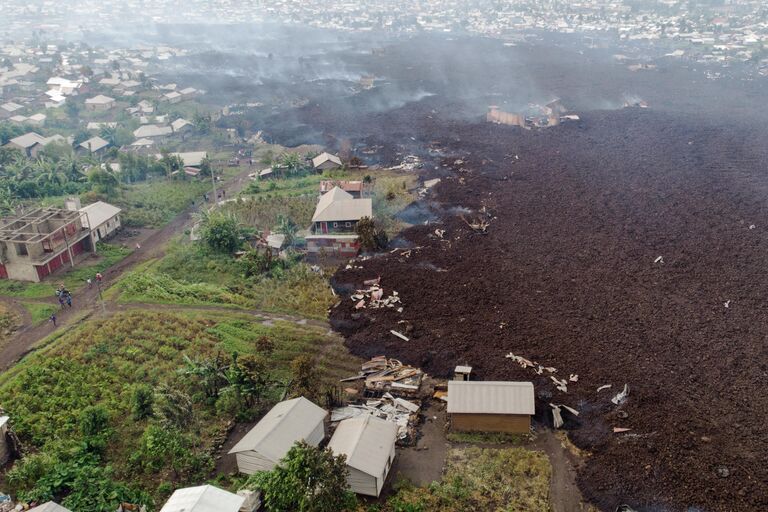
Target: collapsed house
[(534, 116), (369, 446), (271, 438), (492, 406)]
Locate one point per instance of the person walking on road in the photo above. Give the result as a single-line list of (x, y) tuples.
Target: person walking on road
[(90, 282), (53, 319), (69, 299)]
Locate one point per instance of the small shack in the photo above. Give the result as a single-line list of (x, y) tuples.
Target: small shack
[(490, 406), (369, 444), (204, 498), (325, 161), (271, 438)]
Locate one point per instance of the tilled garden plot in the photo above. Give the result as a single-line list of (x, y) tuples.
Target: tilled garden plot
[(569, 275)]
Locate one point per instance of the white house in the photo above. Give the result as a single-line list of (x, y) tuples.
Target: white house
[(103, 219), (285, 424), (99, 103), (325, 161), (204, 498), (369, 444)]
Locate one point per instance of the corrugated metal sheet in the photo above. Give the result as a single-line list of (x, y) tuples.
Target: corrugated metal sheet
[(492, 397), (50, 506), (287, 422), (338, 205), (367, 442), (205, 498)]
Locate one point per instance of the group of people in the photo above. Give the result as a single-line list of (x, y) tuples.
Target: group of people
[(65, 297)]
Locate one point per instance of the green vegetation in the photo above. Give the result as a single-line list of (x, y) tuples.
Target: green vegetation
[(509, 480), (308, 479), (40, 311), (265, 212), (128, 407), (286, 187), (487, 438), (73, 279), (296, 290), (391, 194), (154, 204)]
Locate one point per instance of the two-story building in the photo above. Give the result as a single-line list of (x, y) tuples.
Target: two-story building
[(35, 244), (333, 224)]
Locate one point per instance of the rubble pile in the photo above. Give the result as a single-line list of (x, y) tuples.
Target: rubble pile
[(373, 297), (404, 413)]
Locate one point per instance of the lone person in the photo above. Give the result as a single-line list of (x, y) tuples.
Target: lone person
[(53, 319), (90, 282), (69, 299)]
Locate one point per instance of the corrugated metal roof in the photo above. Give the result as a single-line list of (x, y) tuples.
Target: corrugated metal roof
[(287, 422), (367, 442), (94, 144), (205, 498), (338, 205), (98, 213), (50, 506), (491, 397), (325, 157)]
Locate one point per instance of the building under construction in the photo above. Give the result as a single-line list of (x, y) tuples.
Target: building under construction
[(35, 244)]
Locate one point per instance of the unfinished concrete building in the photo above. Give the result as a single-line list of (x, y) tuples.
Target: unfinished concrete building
[(35, 244)]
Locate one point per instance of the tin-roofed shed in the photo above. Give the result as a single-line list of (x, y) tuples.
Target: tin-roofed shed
[(492, 406), (204, 498), (285, 424), (369, 444)]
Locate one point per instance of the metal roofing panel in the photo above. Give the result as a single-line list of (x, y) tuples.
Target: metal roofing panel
[(98, 213), (287, 422), (367, 442), (204, 498), (490, 397)]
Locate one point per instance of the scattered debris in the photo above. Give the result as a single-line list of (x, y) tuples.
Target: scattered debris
[(478, 225), (400, 335), (384, 375), (605, 386), (374, 295), (621, 397), (561, 385), (557, 416), (573, 378), (440, 233), (723, 472), (619, 430), (752, 226), (660, 259), (727, 303), (403, 413)]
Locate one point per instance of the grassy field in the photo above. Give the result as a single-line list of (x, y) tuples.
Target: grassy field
[(190, 275), (153, 204), (40, 312), (73, 278), (500, 480), (95, 370), (263, 212)]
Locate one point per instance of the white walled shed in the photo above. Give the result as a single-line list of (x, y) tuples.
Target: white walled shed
[(271, 438), (369, 444), (204, 498)]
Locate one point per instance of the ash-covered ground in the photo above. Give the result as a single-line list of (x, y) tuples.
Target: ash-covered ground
[(568, 273)]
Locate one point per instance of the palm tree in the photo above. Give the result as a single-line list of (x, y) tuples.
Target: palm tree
[(109, 134)]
